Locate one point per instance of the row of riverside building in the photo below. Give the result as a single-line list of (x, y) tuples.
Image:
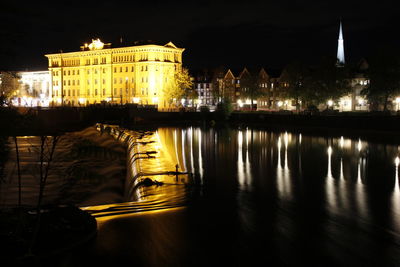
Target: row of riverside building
[(140, 74), (212, 85)]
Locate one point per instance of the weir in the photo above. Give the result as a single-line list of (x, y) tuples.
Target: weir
[(149, 161)]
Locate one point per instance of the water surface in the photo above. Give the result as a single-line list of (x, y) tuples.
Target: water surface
[(261, 197)]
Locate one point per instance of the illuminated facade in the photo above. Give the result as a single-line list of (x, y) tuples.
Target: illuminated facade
[(100, 74), (34, 88)]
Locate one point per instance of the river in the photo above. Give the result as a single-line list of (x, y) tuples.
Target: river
[(256, 197)]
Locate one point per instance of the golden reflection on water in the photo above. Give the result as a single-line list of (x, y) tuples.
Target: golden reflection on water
[(259, 155)]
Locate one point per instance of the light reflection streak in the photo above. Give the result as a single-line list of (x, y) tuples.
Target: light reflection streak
[(183, 136), (359, 191), (283, 175), (191, 150), (241, 175), (396, 196), (331, 191), (201, 171)]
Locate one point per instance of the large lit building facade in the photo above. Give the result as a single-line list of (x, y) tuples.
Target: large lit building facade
[(99, 74)]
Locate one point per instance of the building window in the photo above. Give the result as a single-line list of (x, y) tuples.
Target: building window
[(115, 69), (69, 92), (115, 91), (104, 91), (77, 72), (120, 80), (115, 80), (73, 82), (120, 69), (77, 82), (104, 70), (132, 69), (104, 81), (126, 69), (95, 92), (88, 82)]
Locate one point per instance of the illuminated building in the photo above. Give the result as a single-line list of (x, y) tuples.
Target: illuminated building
[(99, 74), (29, 88), (34, 88), (203, 85)]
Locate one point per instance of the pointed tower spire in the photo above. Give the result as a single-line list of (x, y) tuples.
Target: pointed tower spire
[(340, 51)]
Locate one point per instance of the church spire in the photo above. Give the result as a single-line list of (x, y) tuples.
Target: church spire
[(340, 51)]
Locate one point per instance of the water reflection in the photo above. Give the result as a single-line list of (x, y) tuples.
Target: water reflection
[(276, 188)]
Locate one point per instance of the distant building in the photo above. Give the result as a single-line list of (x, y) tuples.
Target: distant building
[(203, 84), (30, 88), (99, 74)]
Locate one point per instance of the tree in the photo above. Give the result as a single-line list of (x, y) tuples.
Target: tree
[(384, 76), (327, 82), (177, 88), (9, 84), (296, 76), (249, 86)]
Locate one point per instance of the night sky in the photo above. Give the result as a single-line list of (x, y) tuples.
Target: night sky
[(233, 34)]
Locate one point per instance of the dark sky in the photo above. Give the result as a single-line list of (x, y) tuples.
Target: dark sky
[(234, 33)]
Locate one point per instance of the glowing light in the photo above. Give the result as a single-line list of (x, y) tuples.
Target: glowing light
[(155, 100), (280, 103), (136, 100), (397, 161), (96, 44), (330, 103), (361, 102), (81, 101), (240, 103), (398, 100)]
